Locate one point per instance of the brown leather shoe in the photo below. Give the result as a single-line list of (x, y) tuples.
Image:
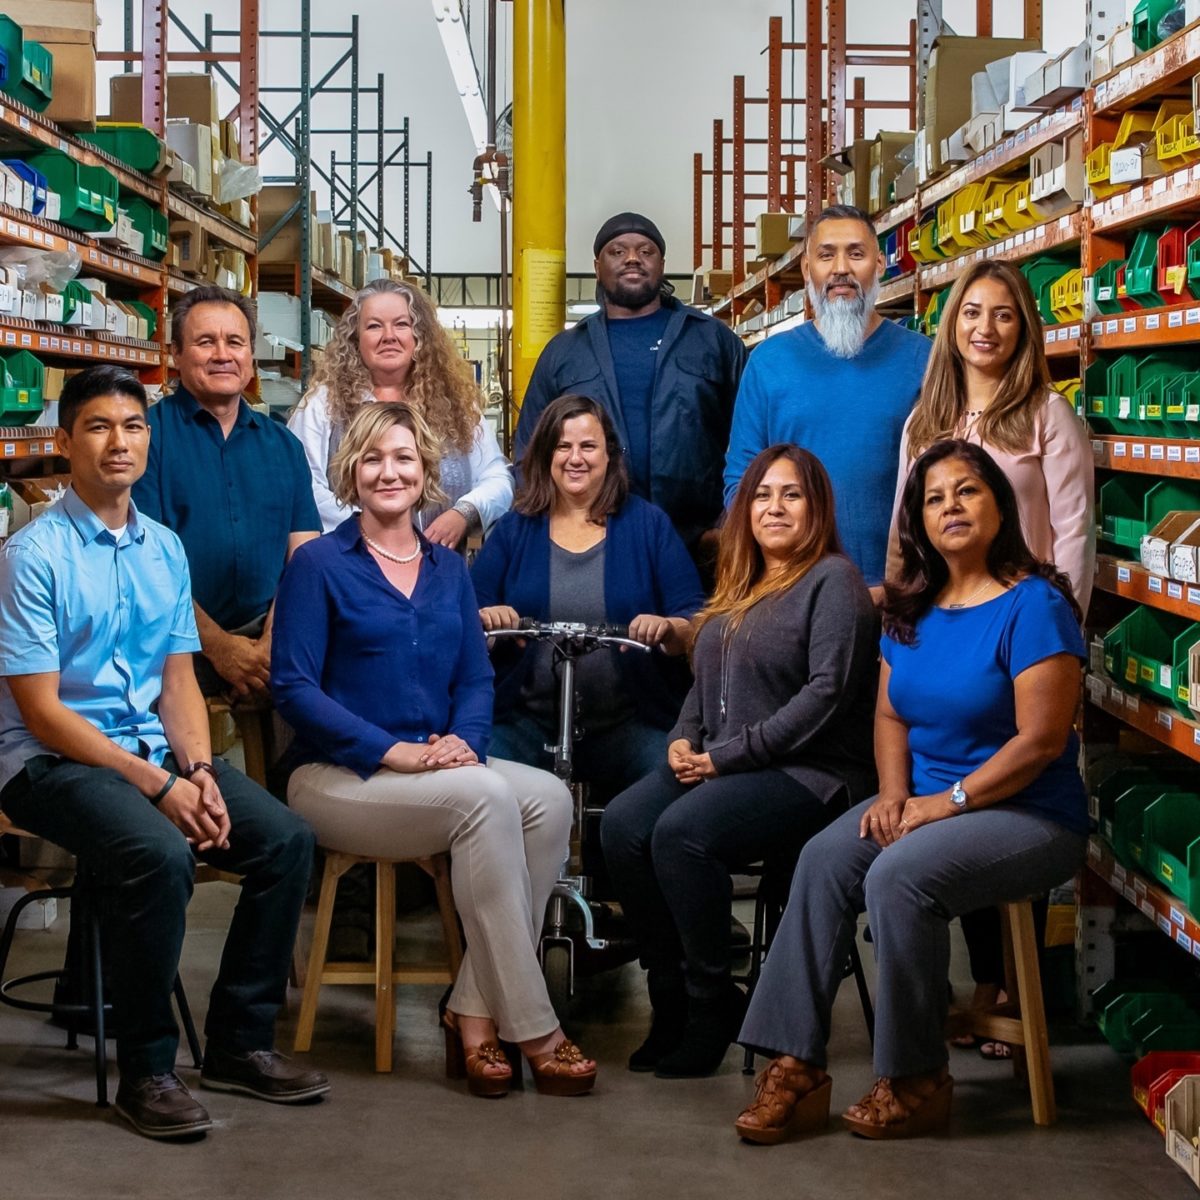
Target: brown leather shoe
[(265, 1074), (903, 1107), (554, 1074), (485, 1067), (160, 1106), (789, 1099)]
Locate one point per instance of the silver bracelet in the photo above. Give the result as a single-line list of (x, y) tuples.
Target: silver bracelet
[(469, 513)]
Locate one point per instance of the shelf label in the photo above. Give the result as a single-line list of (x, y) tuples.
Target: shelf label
[(1152, 321), (1112, 326), (1193, 595), (1175, 591), (1122, 574), (1132, 702), (1139, 885), (1097, 328), (1165, 719), (1075, 331), (1191, 453), (1129, 894), (10, 449), (1117, 202), (1157, 451), (1139, 450), (1183, 939), (1196, 736), (1118, 449), (23, 121), (1163, 924), (1158, 186), (1118, 874), (1176, 917), (1147, 909), (1174, 320), (1098, 448), (1193, 316), (1116, 695), (1174, 454), (1154, 584)]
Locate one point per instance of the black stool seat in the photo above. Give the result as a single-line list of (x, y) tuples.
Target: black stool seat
[(83, 963)]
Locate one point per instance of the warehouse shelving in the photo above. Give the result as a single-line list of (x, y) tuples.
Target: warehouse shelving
[(1178, 458), (1169, 326), (1131, 580)]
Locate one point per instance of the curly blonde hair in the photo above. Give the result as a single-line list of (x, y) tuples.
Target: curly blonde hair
[(439, 384)]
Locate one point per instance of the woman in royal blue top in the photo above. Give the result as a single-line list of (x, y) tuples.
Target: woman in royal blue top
[(380, 666), (980, 802), (578, 547)]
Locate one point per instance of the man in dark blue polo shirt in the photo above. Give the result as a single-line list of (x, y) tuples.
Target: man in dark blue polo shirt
[(233, 484)]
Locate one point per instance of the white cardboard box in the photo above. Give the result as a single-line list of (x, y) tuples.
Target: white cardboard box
[(1185, 555)]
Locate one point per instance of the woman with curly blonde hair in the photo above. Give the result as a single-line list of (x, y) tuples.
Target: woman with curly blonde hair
[(390, 346)]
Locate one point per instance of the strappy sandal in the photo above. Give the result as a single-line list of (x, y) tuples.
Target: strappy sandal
[(787, 1100), (903, 1107), (473, 1064), (552, 1073)]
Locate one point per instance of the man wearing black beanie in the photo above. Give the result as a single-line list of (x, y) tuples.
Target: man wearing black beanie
[(666, 372)]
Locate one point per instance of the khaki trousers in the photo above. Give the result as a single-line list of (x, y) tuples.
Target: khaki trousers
[(506, 827)]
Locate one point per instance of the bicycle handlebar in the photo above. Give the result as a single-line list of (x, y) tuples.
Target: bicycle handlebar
[(584, 637)]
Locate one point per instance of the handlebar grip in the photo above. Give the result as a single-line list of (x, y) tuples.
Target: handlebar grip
[(528, 623)]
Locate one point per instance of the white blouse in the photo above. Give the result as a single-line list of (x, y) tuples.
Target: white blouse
[(491, 486)]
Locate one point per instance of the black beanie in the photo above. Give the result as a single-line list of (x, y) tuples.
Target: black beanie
[(627, 222)]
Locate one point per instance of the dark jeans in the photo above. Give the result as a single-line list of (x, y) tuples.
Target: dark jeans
[(608, 762), (670, 850), (145, 869), (985, 942)]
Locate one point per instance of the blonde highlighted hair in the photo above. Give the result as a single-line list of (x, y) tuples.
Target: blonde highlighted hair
[(367, 427), (742, 581), (1007, 422), (439, 384)]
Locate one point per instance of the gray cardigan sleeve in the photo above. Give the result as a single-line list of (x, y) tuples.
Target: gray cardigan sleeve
[(841, 641)]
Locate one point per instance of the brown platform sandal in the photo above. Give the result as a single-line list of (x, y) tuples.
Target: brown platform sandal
[(472, 1065), (787, 1100), (903, 1107), (552, 1074)]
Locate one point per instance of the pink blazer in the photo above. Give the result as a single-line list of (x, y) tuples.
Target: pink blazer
[(1054, 481)]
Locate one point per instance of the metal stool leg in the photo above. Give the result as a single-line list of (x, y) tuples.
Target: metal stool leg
[(189, 1026), (864, 994), (91, 932)]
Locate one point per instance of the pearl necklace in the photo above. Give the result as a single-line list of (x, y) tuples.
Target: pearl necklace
[(403, 560), (963, 603)]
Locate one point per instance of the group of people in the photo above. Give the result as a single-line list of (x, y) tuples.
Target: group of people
[(753, 519)]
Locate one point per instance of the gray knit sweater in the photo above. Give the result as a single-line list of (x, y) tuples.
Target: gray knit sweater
[(794, 687)]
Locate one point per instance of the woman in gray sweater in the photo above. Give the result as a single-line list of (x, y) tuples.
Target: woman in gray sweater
[(773, 742)]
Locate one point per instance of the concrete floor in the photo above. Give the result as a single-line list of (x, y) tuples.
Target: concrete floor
[(415, 1134)]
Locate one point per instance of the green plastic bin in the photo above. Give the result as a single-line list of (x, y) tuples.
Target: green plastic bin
[(1172, 853), (21, 381), (1104, 287), (150, 223), (1122, 509), (1141, 271), (146, 311), (30, 67), (1153, 643), (1129, 822), (1181, 406), (1144, 22), (1043, 272), (75, 296), (89, 194), (134, 145)]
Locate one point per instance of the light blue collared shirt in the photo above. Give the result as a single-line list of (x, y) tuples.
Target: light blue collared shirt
[(102, 613)]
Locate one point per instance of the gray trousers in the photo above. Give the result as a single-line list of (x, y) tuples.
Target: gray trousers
[(910, 892)]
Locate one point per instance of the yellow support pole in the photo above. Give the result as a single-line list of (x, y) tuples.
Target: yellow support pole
[(539, 183)]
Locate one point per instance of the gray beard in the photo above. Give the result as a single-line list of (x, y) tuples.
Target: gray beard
[(842, 324)]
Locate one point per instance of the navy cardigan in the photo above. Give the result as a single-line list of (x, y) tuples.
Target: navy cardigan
[(647, 569)]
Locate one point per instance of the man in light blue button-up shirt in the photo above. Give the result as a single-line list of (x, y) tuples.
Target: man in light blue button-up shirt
[(104, 750)]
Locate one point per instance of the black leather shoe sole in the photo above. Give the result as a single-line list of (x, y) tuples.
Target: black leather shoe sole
[(185, 1129), (245, 1088)]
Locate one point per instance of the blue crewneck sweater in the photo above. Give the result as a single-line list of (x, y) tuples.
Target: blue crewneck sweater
[(848, 412)]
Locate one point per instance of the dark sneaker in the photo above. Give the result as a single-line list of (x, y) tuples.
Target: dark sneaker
[(160, 1106), (266, 1074)]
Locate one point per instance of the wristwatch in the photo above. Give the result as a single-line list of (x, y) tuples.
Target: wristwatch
[(193, 767), (958, 797)]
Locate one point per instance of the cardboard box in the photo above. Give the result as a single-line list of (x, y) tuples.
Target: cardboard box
[(1020, 65), (45, 20), (279, 314), (1058, 176), (345, 269), (1185, 553), (1156, 545), (12, 187), (853, 164), (889, 156), (192, 244), (1133, 163), (191, 97), (193, 144), (771, 234), (274, 201), (954, 148), (1059, 79), (952, 65)]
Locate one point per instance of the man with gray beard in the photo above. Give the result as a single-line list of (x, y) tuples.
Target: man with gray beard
[(841, 385)]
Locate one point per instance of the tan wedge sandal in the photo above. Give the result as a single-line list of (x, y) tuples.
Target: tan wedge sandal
[(789, 1099)]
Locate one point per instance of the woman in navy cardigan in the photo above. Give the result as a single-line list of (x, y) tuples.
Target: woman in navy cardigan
[(578, 547)]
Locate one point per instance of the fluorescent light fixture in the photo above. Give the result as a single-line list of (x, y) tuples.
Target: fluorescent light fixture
[(471, 318), (580, 309), (453, 30)]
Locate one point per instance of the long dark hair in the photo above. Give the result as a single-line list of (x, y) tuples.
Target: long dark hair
[(536, 493), (740, 566), (923, 571)]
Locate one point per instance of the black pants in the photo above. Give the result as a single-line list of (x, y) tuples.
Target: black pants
[(670, 850), (985, 943), (145, 870)]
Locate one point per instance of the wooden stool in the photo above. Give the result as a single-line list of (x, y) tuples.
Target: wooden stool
[(1021, 1020), (250, 720), (383, 972)]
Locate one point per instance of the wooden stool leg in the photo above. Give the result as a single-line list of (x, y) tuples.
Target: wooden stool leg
[(1033, 1012), (385, 942), (440, 869), (335, 866), (250, 726)]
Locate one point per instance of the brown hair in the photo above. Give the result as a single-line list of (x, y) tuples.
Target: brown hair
[(439, 385), (741, 580), (367, 428), (209, 293), (536, 493), (1008, 421)]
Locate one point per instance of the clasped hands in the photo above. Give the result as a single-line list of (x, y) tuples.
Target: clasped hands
[(442, 752), (688, 765), (197, 809), (892, 817)]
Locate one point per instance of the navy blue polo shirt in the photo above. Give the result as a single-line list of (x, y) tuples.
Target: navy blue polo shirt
[(232, 500)]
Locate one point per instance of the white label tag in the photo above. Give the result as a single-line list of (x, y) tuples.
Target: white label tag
[(1175, 591), (1118, 449), (1152, 321), (1174, 320), (1154, 584), (1139, 450), (1122, 574), (1129, 325)]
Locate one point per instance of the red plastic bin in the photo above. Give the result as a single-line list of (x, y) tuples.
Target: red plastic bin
[(1148, 1070), (1157, 1097), (1172, 253)]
